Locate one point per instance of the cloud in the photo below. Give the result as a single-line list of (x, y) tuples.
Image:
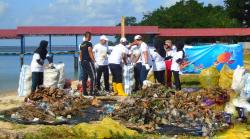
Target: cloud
[(85, 12), (76, 12), (3, 7)]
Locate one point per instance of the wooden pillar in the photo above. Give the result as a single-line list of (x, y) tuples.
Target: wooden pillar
[(122, 26), (22, 50), (76, 58)]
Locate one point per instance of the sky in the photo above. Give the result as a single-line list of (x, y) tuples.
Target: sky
[(15, 13)]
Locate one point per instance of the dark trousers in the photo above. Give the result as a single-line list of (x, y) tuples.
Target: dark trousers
[(37, 79), (143, 74), (137, 70), (116, 71), (177, 81), (160, 76), (105, 71), (88, 70)]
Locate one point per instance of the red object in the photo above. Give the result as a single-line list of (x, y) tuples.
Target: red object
[(115, 30), (79, 88), (8, 34), (168, 72), (224, 57), (67, 83), (79, 30)]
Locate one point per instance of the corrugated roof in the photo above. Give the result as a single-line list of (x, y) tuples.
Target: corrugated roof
[(113, 30), (74, 30), (8, 33), (204, 32)]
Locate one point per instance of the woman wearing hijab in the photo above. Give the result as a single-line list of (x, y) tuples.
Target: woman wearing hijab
[(159, 66), (177, 60), (37, 69)]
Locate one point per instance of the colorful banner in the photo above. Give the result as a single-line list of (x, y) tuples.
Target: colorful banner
[(200, 57)]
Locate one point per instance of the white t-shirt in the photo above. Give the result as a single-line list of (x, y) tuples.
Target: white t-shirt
[(116, 55), (35, 67), (101, 54), (175, 66), (136, 53), (158, 62), (144, 48)]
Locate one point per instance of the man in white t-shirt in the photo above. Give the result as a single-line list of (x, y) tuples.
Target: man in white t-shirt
[(116, 58), (146, 58), (101, 52)]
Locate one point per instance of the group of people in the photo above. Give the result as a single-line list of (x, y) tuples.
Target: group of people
[(97, 60)]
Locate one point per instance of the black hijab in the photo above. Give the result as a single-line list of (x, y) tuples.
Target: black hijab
[(159, 48), (180, 46), (42, 49)]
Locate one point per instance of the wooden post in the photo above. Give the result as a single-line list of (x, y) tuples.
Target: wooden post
[(122, 26), (76, 58)]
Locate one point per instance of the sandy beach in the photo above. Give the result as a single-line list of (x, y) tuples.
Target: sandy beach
[(11, 130)]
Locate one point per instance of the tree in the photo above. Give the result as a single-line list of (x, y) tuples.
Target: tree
[(240, 10), (189, 14)]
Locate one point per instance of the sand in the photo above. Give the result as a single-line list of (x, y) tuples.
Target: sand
[(10, 100)]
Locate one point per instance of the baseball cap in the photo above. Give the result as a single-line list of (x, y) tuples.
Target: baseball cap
[(103, 37), (123, 39), (137, 37)]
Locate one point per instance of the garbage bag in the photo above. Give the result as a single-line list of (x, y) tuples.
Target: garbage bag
[(245, 93), (230, 108), (150, 76), (237, 132), (24, 87), (61, 79), (238, 82), (128, 78), (226, 77), (107, 128), (51, 77), (209, 78), (241, 102)]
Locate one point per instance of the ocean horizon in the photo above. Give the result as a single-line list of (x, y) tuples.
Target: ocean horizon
[(10, 69)]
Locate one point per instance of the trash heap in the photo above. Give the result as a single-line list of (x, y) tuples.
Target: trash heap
[(47, 104), (157, 106)]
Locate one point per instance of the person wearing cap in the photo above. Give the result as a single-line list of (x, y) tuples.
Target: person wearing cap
[(116, 58), (170, 51), (146, 58), (101, 52), (88, 64)]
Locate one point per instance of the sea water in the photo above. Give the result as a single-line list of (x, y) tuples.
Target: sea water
[(10, 69)]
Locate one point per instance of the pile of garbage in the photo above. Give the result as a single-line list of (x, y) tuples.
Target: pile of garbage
[(48, 105), (157, 106)]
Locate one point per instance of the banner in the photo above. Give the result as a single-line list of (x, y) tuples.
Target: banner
[(201, 57)]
